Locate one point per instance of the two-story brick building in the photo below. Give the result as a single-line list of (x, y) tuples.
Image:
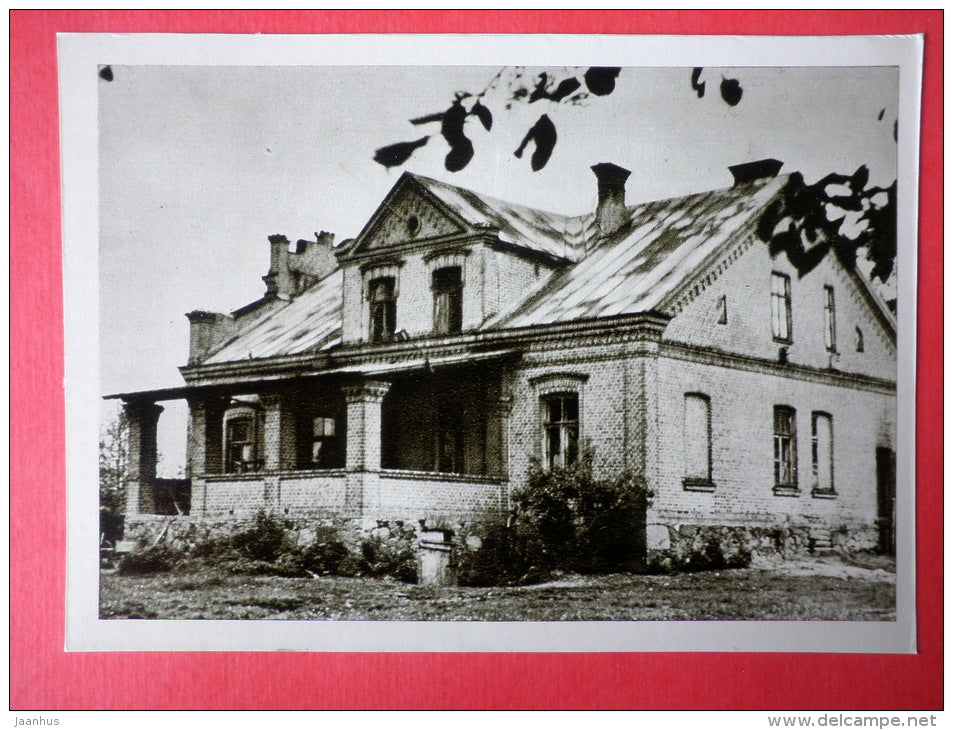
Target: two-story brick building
[(414, 372)]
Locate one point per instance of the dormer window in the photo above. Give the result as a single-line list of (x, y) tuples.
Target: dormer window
[(382, 297), (447, 285)]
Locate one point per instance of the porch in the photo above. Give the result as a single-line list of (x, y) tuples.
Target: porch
[(421, 444)]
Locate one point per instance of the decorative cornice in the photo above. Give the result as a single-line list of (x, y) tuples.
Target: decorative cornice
[(710, 356)]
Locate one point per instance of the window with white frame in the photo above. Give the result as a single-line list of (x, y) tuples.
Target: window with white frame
[(323, 432), (696, 441), (822, 452), (781, 307), (560, 429), (785, 449)]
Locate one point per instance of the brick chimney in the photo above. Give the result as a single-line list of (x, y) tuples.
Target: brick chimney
[(278, 280), (610, 211), (207, 330), (750, 171), (292, 272)]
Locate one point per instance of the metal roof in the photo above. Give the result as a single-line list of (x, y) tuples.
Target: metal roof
[(537, 230), (660, 247), (311, 322)]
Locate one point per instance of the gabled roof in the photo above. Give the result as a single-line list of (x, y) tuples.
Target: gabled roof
[(311, 322), (537, 230), (642, 267), (643, 264)]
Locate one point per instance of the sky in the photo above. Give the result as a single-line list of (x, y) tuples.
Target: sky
[(199, 165)]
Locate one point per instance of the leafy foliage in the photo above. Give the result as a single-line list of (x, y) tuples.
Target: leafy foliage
[(112, 486), (555, 87), (583, 523), (156, 559), (838, 214), (564, 519)]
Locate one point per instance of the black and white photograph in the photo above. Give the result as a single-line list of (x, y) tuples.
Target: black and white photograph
[(512, 344)]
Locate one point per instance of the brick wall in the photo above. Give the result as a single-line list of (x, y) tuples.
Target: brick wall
[(746, 286), (742, 450)]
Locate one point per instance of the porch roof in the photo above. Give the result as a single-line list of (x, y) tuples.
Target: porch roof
[(367, 369)]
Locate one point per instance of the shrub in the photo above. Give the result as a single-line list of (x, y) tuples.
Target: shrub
[(324, 558), (582, 523), (395, 557), (157, 559), (266, 540)]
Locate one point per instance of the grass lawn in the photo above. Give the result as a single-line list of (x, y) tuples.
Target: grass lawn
[(829, 588)]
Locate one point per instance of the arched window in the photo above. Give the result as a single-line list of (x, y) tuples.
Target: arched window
[(696, 441)]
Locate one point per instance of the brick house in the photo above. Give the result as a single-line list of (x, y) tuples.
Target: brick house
[(414, 372)]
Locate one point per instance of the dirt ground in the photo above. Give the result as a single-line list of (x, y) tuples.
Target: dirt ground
[(854, 588)]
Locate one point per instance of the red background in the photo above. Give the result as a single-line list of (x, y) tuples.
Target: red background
[(44, 677)]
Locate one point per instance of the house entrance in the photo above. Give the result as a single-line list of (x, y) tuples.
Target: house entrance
[(886, 500)]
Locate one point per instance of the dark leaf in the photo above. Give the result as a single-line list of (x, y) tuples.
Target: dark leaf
[(769, 220), (895, 130), (451, 126), (881, 115), (565, 88), (459, 156), (543, 133), (484, 115), (438, 116), (600, 80), (847, 202), (858, 181), (397, 154), (731, 91), (540, 91), (106, 73), (698, 87)]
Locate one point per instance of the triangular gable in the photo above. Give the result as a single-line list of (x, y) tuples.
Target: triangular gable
[(408, 213)]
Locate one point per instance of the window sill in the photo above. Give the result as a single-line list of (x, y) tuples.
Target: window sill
[(823, 494), (698, 485), (786, 491)]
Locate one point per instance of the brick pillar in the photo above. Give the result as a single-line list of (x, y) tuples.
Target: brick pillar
[(643, 433), (497, 442), (141, 421), (363, 458), (279, 436), (204, 446)]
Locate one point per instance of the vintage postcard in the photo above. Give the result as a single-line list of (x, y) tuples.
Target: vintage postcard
[(490, 343)]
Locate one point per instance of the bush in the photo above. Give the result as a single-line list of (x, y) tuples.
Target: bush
[(395, 557), (563, 519), (582, 523), (158, 559), (265, 541), (324, 558)]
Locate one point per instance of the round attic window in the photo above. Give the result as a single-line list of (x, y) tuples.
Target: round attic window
[(413, 225)]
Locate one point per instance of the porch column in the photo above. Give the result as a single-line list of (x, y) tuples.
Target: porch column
[(497, 442), (204, 450), (363, 458), (279, 436), (141, 423), (205, 436)]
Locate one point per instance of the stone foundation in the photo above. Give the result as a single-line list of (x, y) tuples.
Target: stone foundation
[(674, 546)]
